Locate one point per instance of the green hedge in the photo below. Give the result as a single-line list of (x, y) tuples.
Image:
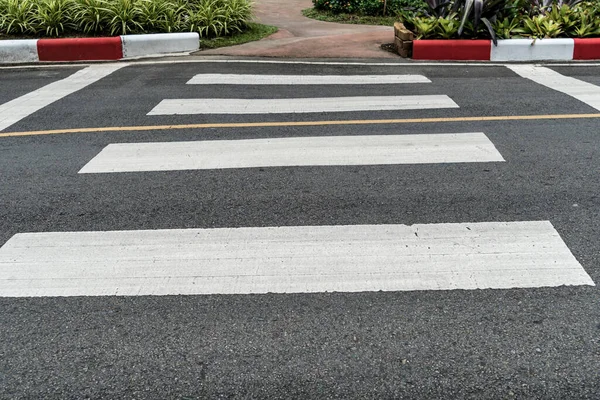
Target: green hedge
[(210, 18), (366, 7)]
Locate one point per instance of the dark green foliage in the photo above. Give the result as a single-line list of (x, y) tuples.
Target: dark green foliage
[(367, 7)]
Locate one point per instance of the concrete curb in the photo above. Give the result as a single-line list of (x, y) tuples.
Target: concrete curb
[(451, 50), (80, 49), (16, 51), (507, 50), (159, 43), (533, 50), (97, 49)]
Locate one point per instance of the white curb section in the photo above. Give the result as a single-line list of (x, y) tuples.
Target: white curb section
[(159, 43), (533, 50), (18, 51)]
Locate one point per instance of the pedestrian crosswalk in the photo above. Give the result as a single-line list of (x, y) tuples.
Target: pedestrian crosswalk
[(247, 79), (15, 110), (578, 89), (294, 259), (296, 151), (300, 259), (301, 105)]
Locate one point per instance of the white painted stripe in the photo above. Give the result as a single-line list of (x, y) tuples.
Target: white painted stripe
[(234, 79), (19, 108), (307, 105), (533, 50), (582, 91), (295, 151), (359, 258)]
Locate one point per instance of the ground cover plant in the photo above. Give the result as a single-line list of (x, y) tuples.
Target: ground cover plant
[(53, 18)]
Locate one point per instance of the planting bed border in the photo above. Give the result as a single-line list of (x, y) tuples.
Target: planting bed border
[(97, 49), (484, 50)]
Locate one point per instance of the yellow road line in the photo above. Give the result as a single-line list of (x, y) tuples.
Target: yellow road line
[(300, 123)]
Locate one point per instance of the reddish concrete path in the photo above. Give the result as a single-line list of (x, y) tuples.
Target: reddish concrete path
[(299, 36)]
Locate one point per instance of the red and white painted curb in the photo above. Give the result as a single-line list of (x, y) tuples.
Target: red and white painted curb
[(97, 49), (508, 50)]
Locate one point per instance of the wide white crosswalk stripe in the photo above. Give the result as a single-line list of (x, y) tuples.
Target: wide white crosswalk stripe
[(289, 259), (241, 79), (301, 105), (21, 107), (582, 91), (295, 151)]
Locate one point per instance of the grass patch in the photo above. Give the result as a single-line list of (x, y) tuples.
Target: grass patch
[(254, 32), (328, 16)]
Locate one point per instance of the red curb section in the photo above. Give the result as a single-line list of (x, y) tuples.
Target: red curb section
[(80, 49), (586, 49), (452, 50)]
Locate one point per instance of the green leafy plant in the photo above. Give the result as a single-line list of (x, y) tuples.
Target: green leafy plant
[(424, 26), (447, 28), (588, 26), (124, 16), (213, 18), (371, 7), (508, 27), (337, 6), (441, 8), (208, 19), (367, 7), (239, 12), (541, 26), (151, 12), (396, 6), (482, 11), (542, 6), (90, 16), (19, 16), (53, 17)]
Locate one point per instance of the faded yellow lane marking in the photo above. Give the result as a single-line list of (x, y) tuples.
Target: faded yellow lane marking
[(300, 123)]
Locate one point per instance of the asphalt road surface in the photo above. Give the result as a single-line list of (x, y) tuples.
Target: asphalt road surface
[(300, 312)]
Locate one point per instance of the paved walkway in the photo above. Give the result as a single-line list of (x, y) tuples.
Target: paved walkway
[(299, 36)]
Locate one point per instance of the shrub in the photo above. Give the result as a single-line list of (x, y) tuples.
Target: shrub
[(53, 17), (336, 6), (210, 18), (90, 15), (18, 17), (366, 7), (124, 17), (213, 18), (504, 19)]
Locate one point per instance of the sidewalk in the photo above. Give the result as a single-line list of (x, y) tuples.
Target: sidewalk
[(303, 37)]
